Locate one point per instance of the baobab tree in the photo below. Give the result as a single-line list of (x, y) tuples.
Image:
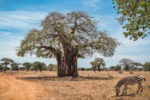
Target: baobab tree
[(67, 37), (127, 63), (6, 62)]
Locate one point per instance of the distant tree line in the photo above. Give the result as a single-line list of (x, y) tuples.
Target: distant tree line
[(97, 65), (124, 64), (9, 64)]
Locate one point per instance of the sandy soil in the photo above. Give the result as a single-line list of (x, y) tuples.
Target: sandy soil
[(88, 86), (14, 89)]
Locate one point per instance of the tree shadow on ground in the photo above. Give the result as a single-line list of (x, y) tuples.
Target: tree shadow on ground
[(55, 78)]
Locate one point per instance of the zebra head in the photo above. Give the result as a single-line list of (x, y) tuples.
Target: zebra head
[(117, 90)]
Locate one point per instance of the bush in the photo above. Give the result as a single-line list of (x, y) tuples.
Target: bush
[(82, 69), (120, 72), (147, 66), (51, 67), (115, 68), (131, 72)]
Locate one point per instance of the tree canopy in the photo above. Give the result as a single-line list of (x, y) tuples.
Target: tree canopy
[(38, 66), (94, 65), (76, 29), (27, 65), (6, 62), (15, 66), (52, 67), (134, 16)]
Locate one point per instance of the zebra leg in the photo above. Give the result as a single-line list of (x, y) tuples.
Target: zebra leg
[(125, 88), (139, 86)]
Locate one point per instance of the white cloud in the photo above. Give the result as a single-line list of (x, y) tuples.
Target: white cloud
[(20, 19), (8, 49), (91, 3), (10, 40), (134, 50)]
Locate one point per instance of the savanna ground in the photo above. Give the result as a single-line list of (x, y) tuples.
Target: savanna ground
[(88, 86)]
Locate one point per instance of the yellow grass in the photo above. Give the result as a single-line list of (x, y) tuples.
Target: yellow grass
[(89, 86)]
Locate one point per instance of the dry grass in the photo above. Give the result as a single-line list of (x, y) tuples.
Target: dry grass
[(89, 86)]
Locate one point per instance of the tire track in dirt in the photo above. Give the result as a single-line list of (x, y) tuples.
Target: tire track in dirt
[(14, 89)]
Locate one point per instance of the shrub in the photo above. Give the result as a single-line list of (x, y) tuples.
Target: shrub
[(120, 72), (82, 69), (115, 68), (131, 72), (147, 66)]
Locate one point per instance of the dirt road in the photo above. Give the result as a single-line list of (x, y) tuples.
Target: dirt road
[(14, 89)]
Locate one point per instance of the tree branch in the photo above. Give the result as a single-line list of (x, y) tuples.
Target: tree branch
[(75, 25), (55, 51)]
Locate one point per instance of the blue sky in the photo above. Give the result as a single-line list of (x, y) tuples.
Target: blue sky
[(17, 17)]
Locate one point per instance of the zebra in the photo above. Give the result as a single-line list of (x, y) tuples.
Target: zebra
[(131, 80)]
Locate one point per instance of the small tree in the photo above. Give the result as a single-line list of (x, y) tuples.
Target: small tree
[(38, 66), (146, 66), (22, 68), (52, 67), (94, 64), (100, 63), (97, 64), (82, 69), (27, 65), (15, 66), (6, 62), (127, 63), (1, 67), (136, 65)]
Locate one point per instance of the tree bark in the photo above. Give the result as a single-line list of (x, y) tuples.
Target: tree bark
[(126, 67), (5, 68), (99, 68), (67, 65)]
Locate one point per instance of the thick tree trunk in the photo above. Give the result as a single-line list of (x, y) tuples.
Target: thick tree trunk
[(67, 65), (99, 68)]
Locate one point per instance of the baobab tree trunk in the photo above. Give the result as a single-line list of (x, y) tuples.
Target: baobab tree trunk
[(67, 65), (126, 67)]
